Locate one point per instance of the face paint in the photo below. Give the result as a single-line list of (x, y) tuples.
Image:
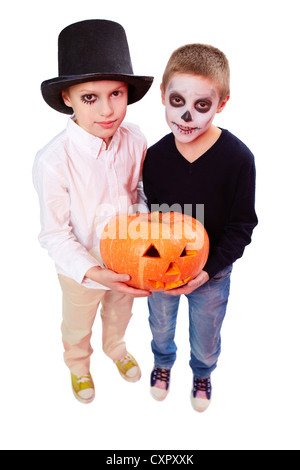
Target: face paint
[(187, 116), (191, 104)]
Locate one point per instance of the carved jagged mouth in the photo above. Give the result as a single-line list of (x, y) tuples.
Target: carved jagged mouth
[(173, 269), (168, 285)]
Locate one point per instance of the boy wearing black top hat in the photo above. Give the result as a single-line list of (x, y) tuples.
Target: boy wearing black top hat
[(88, 173)]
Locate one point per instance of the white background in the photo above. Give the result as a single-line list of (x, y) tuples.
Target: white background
[(257, 385)]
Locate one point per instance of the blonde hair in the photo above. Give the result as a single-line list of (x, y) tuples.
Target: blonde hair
[(200, 59)]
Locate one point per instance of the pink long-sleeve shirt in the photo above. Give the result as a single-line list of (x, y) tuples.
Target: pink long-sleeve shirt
[(81, 185)]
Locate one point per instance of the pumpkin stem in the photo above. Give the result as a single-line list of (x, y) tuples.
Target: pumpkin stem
[(156, 217)]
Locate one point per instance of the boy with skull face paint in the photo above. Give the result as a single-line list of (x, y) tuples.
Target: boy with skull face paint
[(199, 164)]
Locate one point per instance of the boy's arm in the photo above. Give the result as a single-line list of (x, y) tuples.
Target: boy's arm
[(148, 188), (236, 234), (241, 221), (56, 234), (57, 238)]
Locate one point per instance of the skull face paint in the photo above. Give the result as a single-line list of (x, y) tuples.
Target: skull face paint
[(187, 116), (191, 104)]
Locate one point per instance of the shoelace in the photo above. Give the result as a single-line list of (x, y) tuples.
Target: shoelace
[(162, 374), (125, 360), (83, 379), (202, 385)]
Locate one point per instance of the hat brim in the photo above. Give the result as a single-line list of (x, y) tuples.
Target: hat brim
[(51, 89)]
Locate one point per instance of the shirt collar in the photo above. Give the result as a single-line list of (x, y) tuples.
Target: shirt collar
[(86, 141)]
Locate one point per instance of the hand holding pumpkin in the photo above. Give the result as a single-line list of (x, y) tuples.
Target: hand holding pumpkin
[(114, 281), (198, 281), (158, 251)]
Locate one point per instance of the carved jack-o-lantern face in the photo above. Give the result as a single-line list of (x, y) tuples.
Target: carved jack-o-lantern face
[(158, 251)]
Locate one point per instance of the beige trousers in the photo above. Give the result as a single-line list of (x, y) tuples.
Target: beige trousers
[(80, 306)]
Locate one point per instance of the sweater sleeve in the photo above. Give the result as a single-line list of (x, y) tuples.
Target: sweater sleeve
[(150, 197), (237, 231)]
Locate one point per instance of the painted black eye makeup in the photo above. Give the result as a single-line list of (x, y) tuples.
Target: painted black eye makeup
[(176, 100), (203, 106), (88, 99)]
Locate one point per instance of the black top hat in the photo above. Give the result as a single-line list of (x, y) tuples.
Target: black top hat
[(93, 50)]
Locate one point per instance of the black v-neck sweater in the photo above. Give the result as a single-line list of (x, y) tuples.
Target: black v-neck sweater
[(222, 179)]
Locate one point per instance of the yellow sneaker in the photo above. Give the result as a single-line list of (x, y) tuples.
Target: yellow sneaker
[(83, 388), (129, 368)]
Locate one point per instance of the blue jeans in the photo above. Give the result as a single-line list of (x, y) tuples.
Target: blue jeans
[(207, 309)]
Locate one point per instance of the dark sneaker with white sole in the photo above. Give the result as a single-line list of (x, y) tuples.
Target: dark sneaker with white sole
[(201, 394), (160, 381)]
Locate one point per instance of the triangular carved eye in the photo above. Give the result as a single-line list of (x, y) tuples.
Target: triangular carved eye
[(152, 252), (188, 253)]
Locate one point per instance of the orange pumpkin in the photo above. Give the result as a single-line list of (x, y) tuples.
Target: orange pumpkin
[(159, 251)]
